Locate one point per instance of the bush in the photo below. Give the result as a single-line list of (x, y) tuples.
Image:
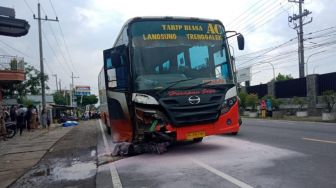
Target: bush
[(276, 103), (298, 101), (242, 99), (329, 97), (252, 101), (14, 64)]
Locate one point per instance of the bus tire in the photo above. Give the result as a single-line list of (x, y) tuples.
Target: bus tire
[(196, 140), (234, 133)]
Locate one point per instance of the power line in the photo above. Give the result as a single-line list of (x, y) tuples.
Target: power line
[(267, 18), (261, 53), (17, 50), (58, 45), (53, 51), (245, 12), (242, 19), (52, 6), (31, 10), (63, 37)]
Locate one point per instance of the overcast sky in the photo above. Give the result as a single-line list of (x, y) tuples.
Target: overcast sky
[(90, 26)]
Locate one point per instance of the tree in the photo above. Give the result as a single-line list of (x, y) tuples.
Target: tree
[(242, 101), (32, 84), (87, 100), (283, 77), (61, 98), (252, 101)]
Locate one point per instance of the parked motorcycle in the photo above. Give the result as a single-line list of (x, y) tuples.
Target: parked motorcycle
[(11, 129)]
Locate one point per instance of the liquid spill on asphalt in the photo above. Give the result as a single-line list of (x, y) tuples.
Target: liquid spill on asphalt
[(59, 172), (77, 171)]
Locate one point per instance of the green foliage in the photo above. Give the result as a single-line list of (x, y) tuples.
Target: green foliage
[(329, 97), (26, 102), (276, 103), (283, 77), (32, 84), (252, 101), (242, 99), (87, 100), (14, 64), (298, 101), (61, 98)]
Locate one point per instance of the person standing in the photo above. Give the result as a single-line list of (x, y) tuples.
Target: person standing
[(12, 113), (48, 120), (29, 117), (34, 119), (3, 131), (20, 121), (269, 107), (44, 118)]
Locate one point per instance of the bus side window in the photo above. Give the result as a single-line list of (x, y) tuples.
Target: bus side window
[(166, 66), (221, 65), (157, 69), (116, 65)]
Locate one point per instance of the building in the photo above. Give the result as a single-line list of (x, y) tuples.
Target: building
[(11, 71)]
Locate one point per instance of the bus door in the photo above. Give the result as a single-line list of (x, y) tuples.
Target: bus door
[(116, 66)]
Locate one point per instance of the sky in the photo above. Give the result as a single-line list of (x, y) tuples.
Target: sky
[(87, 27)]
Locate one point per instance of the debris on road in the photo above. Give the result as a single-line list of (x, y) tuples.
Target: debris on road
[(127, 149)]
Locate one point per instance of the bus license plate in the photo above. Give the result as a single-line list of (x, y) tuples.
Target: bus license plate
[(193, 135)]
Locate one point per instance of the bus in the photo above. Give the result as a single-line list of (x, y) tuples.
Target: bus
[(169, 79)]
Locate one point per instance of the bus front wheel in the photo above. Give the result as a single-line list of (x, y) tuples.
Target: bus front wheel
[(196, 140), (108, 130)]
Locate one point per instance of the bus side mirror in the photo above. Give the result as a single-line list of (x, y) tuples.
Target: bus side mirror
[(241, 42)]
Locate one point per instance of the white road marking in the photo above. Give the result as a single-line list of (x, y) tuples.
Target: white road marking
[(222, 174), (317, 140), (113, 170)]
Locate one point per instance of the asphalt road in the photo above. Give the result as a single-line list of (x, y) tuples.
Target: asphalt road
[(265, 154)]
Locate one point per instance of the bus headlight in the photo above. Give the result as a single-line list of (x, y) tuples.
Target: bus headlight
[(144, 99), (227, 104)]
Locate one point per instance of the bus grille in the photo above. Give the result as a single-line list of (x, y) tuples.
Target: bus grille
[(181, 112)]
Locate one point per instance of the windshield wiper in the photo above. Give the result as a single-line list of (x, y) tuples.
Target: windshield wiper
[(198, 85), (173, 84)]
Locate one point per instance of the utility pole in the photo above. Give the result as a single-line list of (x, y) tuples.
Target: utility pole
[(299, 30), (70, 94), (60, 85), (41, 50), (72, 88), (55, 75)]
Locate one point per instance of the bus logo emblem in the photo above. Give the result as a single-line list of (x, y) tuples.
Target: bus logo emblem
[(194, 99)]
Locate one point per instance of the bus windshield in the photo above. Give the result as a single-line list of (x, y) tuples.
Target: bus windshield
[(165, 52)]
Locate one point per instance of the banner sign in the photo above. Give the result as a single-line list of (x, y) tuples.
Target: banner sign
[(82, 90), (244, 74)]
